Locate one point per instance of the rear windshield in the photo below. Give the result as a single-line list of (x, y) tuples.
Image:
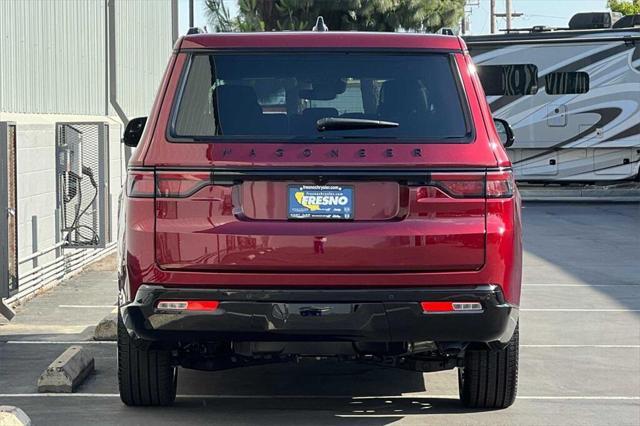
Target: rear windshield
[(284, 95)]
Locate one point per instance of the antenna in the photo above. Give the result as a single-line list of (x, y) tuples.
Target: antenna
[(320, 26)]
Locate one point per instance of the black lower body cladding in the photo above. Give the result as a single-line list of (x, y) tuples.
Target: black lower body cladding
[(351, 315)]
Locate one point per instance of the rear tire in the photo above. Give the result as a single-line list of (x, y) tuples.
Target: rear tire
[(489, 378), (146, 376)]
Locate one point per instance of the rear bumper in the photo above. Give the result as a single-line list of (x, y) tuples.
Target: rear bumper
[(351, 315)]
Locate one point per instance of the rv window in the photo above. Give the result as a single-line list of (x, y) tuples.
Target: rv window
[(509, 80), (562, 83)]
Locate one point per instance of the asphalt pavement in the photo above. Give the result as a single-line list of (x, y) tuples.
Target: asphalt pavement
[(580, 349)]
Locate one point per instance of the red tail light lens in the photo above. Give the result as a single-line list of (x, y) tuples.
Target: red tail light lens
[(187, 305), (180, 184), (460, 185), (469, 185), (144, 184), (500, 184), (140, 184)]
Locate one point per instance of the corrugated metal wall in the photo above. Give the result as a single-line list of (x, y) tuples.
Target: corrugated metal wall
[(54, 68), (143, 46), (53, 55)]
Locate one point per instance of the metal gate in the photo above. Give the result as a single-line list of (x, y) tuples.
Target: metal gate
[(82, 184), (8, 211)]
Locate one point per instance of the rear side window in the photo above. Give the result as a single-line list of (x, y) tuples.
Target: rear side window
[(283, 95), (509, 80)]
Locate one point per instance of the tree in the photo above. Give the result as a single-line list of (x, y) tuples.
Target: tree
[(346, 15), (630, 7)]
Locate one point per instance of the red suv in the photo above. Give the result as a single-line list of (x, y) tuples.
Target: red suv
[(319, 194)]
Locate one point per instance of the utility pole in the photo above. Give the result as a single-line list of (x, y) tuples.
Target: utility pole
[(468, 7), (508, 13), (493, 16), (191, 20)]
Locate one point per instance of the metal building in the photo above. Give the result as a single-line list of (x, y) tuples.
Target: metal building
[(72, 73)]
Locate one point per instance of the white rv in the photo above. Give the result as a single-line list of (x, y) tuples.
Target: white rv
[(571, 95)]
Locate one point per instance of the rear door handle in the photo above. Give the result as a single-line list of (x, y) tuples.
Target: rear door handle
[(11, 212)]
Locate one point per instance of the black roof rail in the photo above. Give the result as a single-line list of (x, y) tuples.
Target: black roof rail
[(534, 29), (446, 31), (196, 30)]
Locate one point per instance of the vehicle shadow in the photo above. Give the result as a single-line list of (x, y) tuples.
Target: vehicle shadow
[(371, 411), (312, 378), (338, 392)]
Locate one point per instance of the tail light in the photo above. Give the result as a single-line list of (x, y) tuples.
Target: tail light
[(180, 184), (460, 185), (146, 184), (435, 307), (187, 305), (469, 185), (500, 184), (140, 184)]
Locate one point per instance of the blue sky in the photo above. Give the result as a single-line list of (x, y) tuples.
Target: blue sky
[(554, 13)]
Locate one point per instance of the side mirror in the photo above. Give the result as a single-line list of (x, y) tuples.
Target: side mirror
[(507, 138), (133, 131)]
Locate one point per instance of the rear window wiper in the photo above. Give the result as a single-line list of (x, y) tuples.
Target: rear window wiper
[(333, 123)]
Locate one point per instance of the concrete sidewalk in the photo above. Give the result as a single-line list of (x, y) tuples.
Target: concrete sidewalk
[(69, 311)]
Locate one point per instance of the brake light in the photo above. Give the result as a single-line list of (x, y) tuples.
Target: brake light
[(500, 184), (187, 305), (431, 307), (180, 184), (140, 184)]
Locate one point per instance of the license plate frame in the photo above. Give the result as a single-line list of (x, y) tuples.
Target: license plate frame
[(333, 208)]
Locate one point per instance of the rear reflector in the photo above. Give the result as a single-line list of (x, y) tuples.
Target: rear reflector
[(451, 306), (187, 305)]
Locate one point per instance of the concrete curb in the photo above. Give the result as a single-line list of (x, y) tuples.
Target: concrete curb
[(107, 328), (13, 416), (6, 311), (616, 195), (67, 372)]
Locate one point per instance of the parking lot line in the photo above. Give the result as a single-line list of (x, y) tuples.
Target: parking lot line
[(581, 346), (576, 310), (86, 306), (524, 285), (405, 396), (65, 342), (97, 342)]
